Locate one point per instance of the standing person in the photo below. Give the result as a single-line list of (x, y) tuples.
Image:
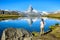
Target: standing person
[(42, 26)]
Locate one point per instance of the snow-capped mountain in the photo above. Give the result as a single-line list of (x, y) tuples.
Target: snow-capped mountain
[(32, 11), (57, 11), (44, 13)]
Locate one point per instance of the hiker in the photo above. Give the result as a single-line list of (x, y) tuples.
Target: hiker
[(42, 26)]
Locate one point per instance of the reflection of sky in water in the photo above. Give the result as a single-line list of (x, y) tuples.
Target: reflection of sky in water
[(24, 23)]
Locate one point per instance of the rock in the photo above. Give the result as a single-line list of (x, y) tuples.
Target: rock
[(27, 38), (15, 34)]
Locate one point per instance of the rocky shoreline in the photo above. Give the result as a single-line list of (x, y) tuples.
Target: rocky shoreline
[(22, 34)]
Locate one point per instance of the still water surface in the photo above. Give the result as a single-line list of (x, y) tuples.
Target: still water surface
[(25, 23)]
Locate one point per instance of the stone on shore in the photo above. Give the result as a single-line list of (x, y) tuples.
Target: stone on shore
[(15, 34)]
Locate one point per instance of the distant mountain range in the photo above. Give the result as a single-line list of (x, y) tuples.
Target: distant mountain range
[(8, 12), (29, 12)]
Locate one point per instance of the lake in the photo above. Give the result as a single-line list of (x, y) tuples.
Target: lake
[(25, 23)]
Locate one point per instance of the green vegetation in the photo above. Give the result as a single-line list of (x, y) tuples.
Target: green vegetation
[(35, 34), (57, 15), (57, 24), (51, 27), (9, 16), (54, 26), (56, 31)]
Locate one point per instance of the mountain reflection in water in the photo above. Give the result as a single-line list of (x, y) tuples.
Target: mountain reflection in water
[(25, 23)]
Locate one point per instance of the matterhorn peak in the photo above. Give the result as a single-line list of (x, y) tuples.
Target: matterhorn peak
[(30, 8)]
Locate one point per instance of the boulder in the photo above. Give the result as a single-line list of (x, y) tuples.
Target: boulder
[(28, 38), (15, 34)]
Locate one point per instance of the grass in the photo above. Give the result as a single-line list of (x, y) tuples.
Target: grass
[(56, 31), (6, 16), (53, 15), (52, 27), (9, 16), (35, 34), (52, 35)]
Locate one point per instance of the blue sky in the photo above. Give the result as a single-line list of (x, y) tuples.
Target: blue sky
[(21, 5)]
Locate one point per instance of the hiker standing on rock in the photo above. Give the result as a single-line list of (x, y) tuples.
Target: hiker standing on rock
[(42, 26)]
